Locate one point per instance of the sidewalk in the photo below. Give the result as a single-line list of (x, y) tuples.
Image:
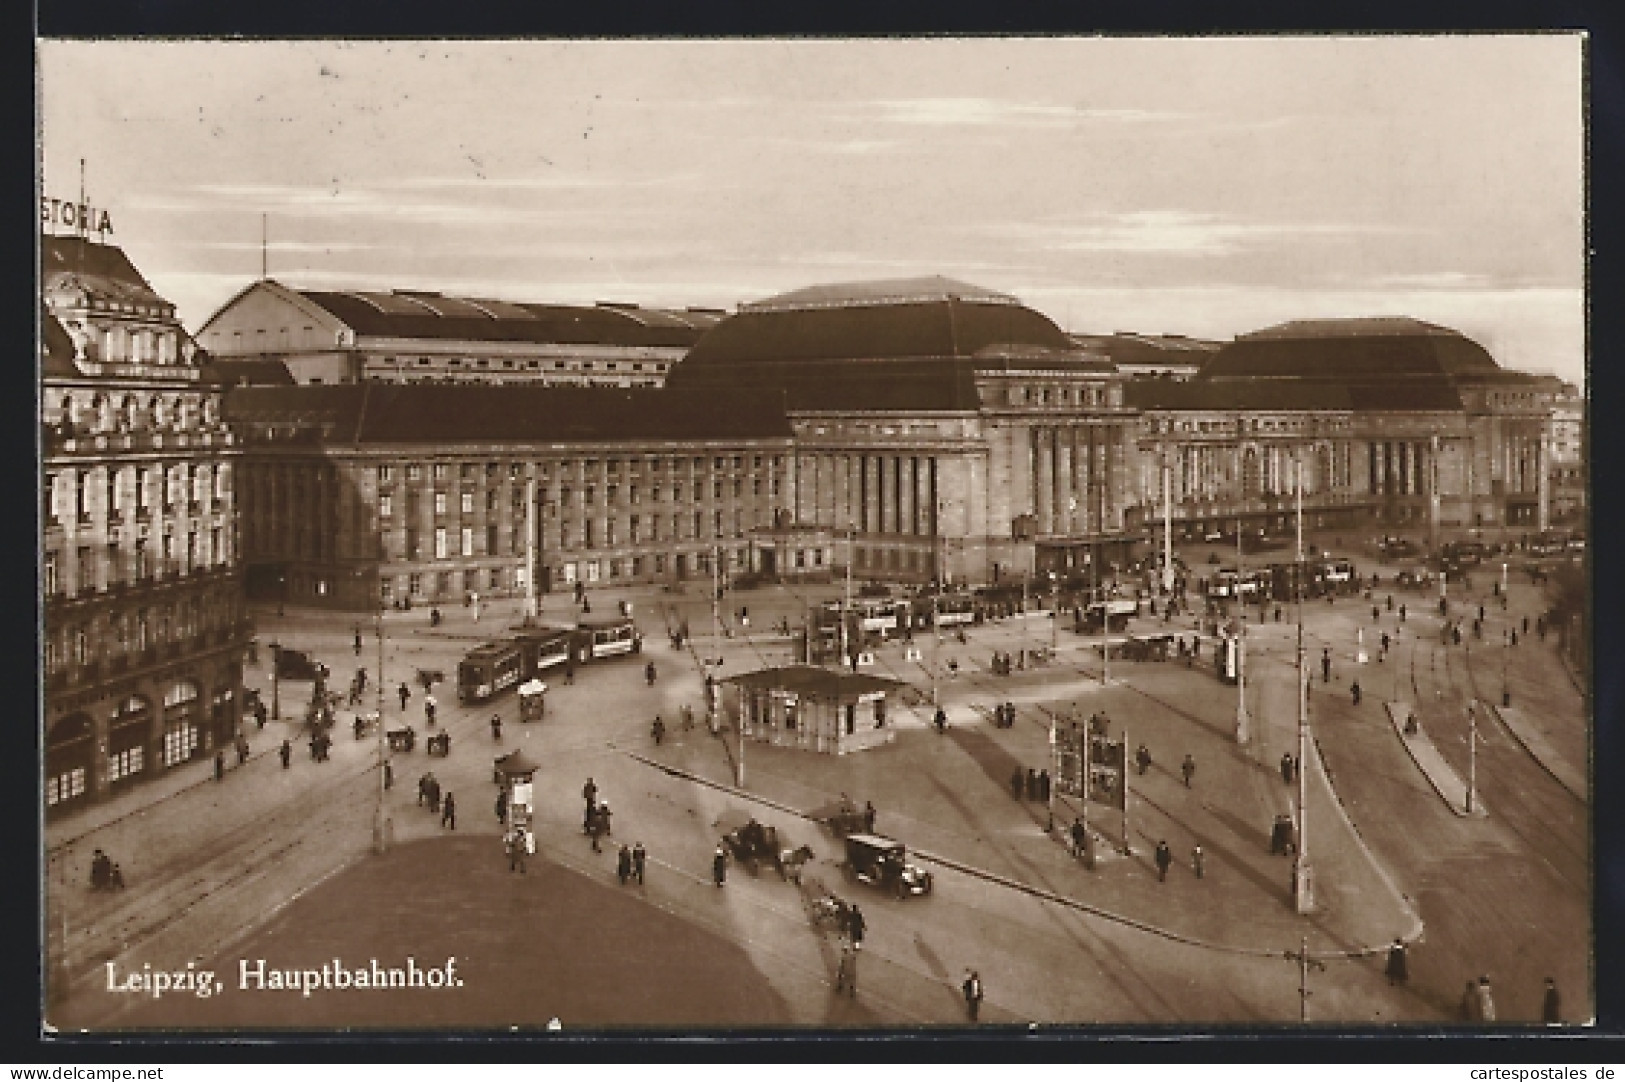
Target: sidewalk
[(1445, 781)]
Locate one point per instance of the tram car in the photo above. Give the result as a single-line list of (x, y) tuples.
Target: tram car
[(606, 638)]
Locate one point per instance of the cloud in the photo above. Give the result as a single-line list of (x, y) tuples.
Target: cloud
[(1167, 232)]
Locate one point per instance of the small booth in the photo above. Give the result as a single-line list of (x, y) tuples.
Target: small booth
[(532, 700), (514, 773), (802, 706)]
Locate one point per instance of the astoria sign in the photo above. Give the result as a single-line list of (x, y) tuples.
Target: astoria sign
[(79, 217)]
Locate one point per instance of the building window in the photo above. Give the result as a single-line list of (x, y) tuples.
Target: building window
[(439, 503), (716, 490), (716, 524), (586, 534), (386, 506), (468, 541), (632, 530), (677, 492), (491, 499), (414, 473), (468, 502), (439, 471), (51, 584), (440, 543), (414, 584)]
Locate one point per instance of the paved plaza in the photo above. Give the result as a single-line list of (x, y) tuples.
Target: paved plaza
[(276, 863)]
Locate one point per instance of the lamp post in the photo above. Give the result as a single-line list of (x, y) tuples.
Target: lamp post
[(1472, 756), (1302, 876), (276, 689), (383, 827)]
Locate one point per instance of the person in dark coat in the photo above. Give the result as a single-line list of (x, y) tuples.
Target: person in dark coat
[(389, 775), (639, 859), (1142, 758), (1354, 692), (855, 926), (623, 865), (719, 866), (515, 844), (1397, 971), (972, 990), (1286, 767), (1187, 769), (1198, 860), (219, 765), (1032, 784), (1551, 1006), (286, 753), (1164, 858), (868, 817), (404, 692), (448, 812), (1043, 785), (358, 642), (589, 793)]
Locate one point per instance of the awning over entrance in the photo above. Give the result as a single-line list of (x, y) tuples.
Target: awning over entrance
[(809, 681)]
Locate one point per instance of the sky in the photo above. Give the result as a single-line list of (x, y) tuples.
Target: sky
[(1197, 186)]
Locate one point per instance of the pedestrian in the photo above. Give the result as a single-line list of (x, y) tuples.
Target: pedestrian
[(389, 775), (846, 971), (242, 749), (286, 753), (940, 720), (1187, 769), (502, 807), (1079, 831), (1043, 785), (658, 730), (219, 765), (649, 673), (1197, 860), (1402, 612), (1376, 614), (1142, 758), (404, 692), (517, 843), (623, 865), (1481, 612), (1486, 1002), (1514, 636), (868, 817), (358, 642), (496, 727), (856, 926), (429, 707), (639, 858), (1526, 626), (595, 828), (448, 812), (1032, 784), (1164, 858), (589, 793), (972, 989), (1015, 783), (1551, 1006), (1397, 971), (719, 866), (1326, 668)]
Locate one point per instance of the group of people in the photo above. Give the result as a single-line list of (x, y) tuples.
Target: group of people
[(1002, 664), (629, 864), (595, 821), (1004, 715), (1163, 857), (1033, 784)]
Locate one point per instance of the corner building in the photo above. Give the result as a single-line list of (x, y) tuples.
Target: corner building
[(144, 618)]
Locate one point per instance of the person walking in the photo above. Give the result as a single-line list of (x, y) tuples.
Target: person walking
[(496, 727), (1043, 785), (1198, 860), (595, 827), (589, 793), (1142, 759), (358, 642), (1354, 692), (639, 859), (846, 970), (972, 989), (868, 817), (1286, 767), (1551, 1005), (448, 811), (389, 775), (518, 847), (855, 926), (219, 765), (719, 867), (1398, 972), (404, 692), (285, 752), (1187, 769), (1486, 1002), (502, 807), (1164, 858), (623, 865)]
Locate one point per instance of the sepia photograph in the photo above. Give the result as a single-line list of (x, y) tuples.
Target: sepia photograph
[(863, 535)]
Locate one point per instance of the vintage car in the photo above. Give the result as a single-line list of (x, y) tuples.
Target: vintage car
[(882, 862)]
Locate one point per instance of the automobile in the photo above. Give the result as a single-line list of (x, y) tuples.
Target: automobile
[(883, 862)]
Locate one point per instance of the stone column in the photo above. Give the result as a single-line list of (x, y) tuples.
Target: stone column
[(1063, 480), (1044, 474), (871, 510)]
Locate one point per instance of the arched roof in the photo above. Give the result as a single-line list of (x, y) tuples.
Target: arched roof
[(900, 344), (1383, 348)]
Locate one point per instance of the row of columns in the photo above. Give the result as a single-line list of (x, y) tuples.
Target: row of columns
[(874, 494), (1071, 467), (1400, 468)]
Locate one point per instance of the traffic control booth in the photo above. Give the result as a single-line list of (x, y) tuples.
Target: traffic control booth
[(803, 706)]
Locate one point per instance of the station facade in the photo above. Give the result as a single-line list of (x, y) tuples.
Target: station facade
[(141, 588)]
